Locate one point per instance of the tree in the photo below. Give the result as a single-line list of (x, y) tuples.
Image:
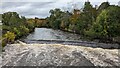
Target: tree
[(103, 6), (107, 24), (88, 15), (14, 26), (114, 21), (55, 18), (87, 7), (65, 20)]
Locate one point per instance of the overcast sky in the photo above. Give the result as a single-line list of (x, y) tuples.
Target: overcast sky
[(41, 8)]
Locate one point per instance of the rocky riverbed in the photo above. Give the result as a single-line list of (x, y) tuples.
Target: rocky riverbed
[(58, 55)]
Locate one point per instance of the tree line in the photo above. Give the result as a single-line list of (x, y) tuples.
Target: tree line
[(102, 22), (14, 27)]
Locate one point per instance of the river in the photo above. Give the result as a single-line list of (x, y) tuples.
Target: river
[(57, 54), (51, 36)]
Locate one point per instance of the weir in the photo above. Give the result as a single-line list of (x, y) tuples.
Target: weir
[(75, 43), (51, 36)]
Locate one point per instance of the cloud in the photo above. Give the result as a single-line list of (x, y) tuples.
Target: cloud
[(28, 0), (58, 0), (28, 8), (41, 8)]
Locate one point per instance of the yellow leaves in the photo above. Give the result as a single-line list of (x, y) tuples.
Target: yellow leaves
[(9, 36)]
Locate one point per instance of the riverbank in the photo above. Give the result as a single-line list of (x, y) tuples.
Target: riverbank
[(107, 40), (23, 54), (112, 40)]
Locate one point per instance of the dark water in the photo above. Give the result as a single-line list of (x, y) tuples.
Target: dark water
[(51, 36)]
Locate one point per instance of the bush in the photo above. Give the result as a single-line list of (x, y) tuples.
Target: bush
[(9, 36), (107, 24)]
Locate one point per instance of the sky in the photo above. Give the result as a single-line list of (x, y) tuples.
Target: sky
[(41, 8)]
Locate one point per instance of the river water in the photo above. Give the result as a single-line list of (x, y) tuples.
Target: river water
[(51, 36)]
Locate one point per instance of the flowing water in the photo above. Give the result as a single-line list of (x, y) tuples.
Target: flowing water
[(51, 36)]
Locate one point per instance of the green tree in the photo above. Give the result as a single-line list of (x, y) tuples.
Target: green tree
[(65, 20), (14, 26), (103, 6), (107, 24), (10, 18), (88, 15), (113, 13), (55, 18)]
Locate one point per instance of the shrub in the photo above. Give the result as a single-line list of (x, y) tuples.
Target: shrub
[(9, 36)]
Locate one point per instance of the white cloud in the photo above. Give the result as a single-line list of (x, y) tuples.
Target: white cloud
[(41, 8), (28, 0), (58, 0)]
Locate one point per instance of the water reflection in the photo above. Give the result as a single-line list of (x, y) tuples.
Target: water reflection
[(50, 34)]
